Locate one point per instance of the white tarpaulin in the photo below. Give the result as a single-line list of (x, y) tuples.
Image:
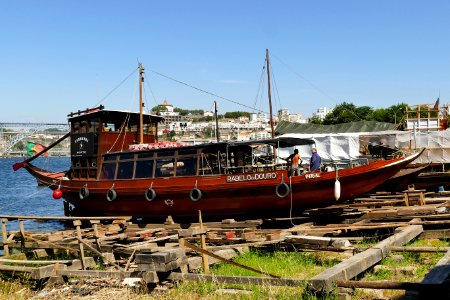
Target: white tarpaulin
[(352, 145)]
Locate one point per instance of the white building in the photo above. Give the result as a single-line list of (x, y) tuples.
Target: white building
[(322, 112)]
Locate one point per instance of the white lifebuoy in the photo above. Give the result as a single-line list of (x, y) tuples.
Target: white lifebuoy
[(84, 192), (337, 190), (282, 190), (111, 195), (150, 194), (195, 194)]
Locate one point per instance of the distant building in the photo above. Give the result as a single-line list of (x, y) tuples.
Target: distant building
[(283, 115), (258, 117), (322, 112), (208, 114)]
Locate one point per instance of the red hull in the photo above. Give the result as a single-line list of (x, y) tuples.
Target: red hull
[(249, 195)]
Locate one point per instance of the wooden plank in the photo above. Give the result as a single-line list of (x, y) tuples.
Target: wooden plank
[(149, 277), (252, 280), (362, 261), (51, 218), (160, 257), (5, 237)]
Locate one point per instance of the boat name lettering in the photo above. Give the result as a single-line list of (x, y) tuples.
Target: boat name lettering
[(312, 175), (250, 177), (82, 138)]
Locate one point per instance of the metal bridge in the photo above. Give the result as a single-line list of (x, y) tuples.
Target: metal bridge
[(12, 133)]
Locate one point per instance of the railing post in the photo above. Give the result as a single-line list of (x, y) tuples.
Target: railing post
[(22, 233), (5, 237)]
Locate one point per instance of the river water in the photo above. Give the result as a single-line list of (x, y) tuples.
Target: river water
[(20, 194)]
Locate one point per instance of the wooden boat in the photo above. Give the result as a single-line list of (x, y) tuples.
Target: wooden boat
[(119, 168)]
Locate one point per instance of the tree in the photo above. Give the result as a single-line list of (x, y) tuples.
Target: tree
[(159, 108), (345, 113), (237, 114), (315, 120)]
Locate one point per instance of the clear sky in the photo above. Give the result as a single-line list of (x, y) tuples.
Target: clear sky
[(60, 56)]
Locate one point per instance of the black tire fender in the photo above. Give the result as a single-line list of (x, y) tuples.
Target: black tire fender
[(84, 192), (195, 194), (282, 190), (111, 195), (150, 194)]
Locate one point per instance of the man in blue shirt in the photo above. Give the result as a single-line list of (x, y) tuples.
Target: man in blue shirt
[(315, 161)]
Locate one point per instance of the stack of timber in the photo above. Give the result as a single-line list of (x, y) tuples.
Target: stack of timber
[(155, 252)]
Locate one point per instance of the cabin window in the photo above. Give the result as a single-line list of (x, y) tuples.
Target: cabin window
[(164, 167), (108, 170), (187, 152), (145, 155), (166, 153), (186, 166), (125, 170), (144, 169)]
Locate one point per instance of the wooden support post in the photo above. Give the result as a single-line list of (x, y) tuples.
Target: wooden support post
[(77, 224), (5, 237), (203, 243), (94, 225), (183, 268), (22, 233)]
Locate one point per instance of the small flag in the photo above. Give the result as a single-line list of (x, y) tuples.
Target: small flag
[(436, 105), (34, 148)]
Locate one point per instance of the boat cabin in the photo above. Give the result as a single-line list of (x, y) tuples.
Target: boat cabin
[(97, 131), (195, 160)]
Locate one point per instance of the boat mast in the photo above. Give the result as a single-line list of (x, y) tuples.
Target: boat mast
[(270, 103), (268, 91), (217, 121), (141, 105)]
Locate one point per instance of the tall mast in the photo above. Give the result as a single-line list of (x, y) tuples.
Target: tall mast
[(268, 91), (217, 122), (141, 105)]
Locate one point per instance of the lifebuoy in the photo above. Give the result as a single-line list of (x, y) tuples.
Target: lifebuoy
[(195, 194), (111, 195), (282, 190), (150, 194), (84, 192)]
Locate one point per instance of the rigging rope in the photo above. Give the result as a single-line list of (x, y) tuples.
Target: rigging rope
[(307, 81), (117, 86), (206, 92)]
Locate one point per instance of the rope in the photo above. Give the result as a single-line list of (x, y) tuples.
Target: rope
[(290, 210), (25, 198), (206, 92), (120, 132), (112, 91)]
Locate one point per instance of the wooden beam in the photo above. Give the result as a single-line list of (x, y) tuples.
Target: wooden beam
[(360, 262), (147, 276), (175, 276)]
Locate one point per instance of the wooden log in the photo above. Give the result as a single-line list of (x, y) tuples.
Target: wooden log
[(317, 241), (77, 224), (364, 260), (263, 281), (148, 277)]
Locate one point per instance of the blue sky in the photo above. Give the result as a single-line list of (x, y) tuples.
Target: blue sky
[(61, 56)]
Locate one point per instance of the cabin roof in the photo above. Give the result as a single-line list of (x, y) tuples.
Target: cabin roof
[(112, 115), (280, 142)]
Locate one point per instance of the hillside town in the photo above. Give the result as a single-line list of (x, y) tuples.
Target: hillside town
[(201, 127)]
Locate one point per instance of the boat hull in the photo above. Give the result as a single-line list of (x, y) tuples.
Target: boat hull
[(239, 196)]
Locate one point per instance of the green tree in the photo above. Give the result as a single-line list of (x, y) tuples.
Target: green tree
[(159, 108), (315, 120), (345, 113), (237, 114)]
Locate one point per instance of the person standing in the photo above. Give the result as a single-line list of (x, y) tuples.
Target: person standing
[(294, 159), (315, 161)]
